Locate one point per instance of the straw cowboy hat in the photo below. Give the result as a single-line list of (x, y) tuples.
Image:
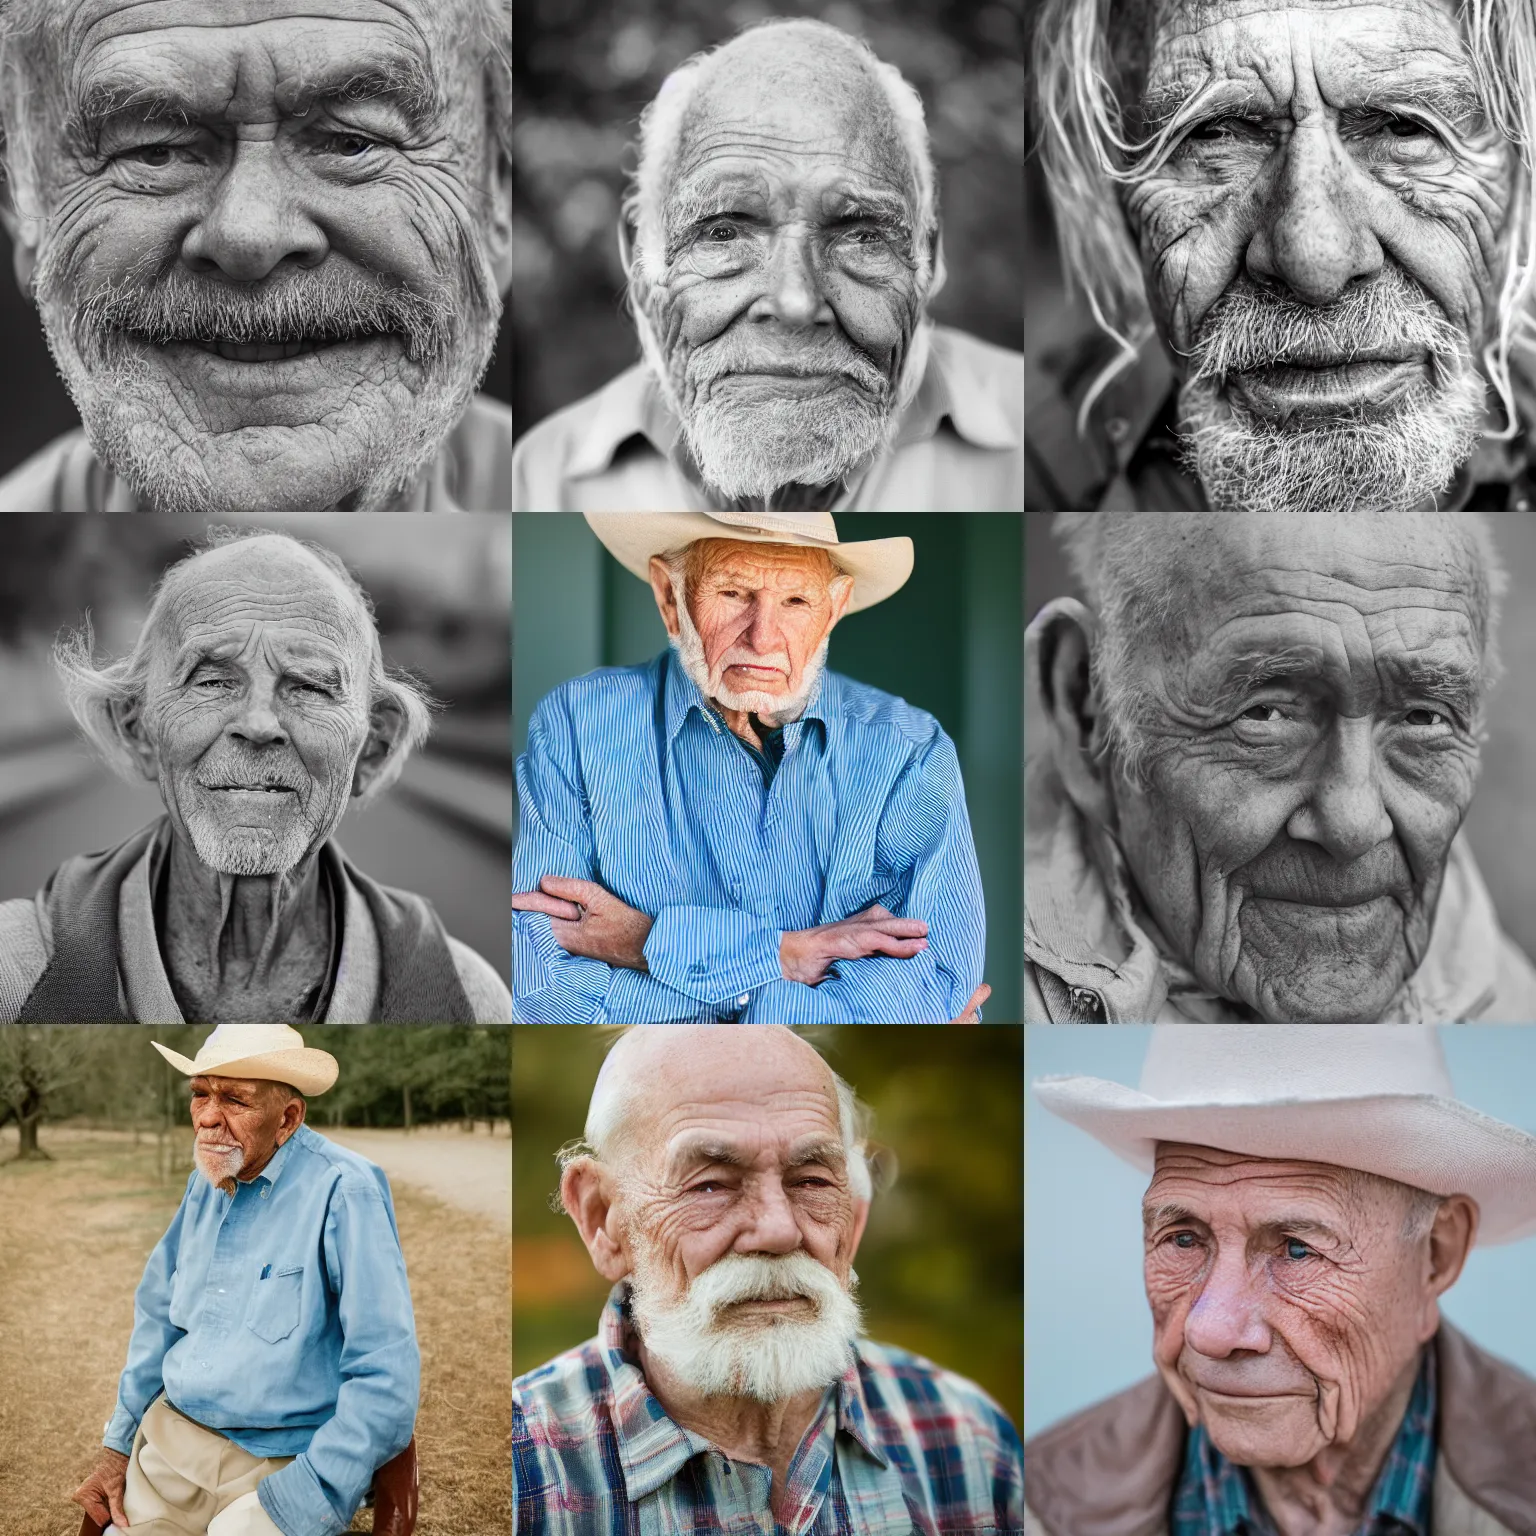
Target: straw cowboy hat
[(1373, 1097), (879, 567), (270, 1051)]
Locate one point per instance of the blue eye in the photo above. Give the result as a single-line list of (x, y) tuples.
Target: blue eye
[(1295, 1249), (1184, 1240)]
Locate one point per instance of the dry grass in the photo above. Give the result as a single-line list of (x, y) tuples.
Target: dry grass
[(74, 1234)]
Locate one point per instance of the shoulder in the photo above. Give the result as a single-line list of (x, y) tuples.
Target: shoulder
[(1514, 1000), (1120, 1457), (488, 997), (23, 955), (925, 1392), (969, 359), (873, 709), (44, 483), (562, 1395), (1487, 1420), (353, 1175), (481, 449), (601, 693), (544, 455)]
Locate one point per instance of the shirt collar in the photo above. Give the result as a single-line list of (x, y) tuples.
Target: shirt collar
[(1404, 1487), (682, 696), (278, 1161), (631, 405)]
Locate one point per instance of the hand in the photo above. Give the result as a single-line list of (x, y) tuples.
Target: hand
[(808, 954), (971, 1013), (588, 920), (101, 1494)]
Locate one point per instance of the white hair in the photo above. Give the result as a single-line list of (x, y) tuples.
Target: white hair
[(98, 695), (661, 126), (612, 1099), (1118, 560), (1087, 54)]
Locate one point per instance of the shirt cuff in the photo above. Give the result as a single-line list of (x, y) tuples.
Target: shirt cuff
[(292, 1496), (715, 955), (120, 1430)]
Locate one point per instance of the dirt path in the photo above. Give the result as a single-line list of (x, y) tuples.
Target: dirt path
[(74, 1234), (470, 1171)]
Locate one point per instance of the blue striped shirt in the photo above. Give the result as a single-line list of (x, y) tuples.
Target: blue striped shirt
[(632, 780), (1217, 1498), (900, 1448)]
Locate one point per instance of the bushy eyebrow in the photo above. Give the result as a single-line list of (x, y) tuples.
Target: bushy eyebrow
[(1173, 1214), (330, 670), (1452, 96), (1457, 686), (699, 1154)]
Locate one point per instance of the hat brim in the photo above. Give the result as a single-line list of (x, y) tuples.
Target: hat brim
[(879, 567), (309, 1070), (1424, 1140)]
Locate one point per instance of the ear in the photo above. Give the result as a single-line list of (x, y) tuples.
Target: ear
[(666, 598), (840, 601), (293, 1118), (499, 229), (23, 235), (626, 244), (587, 1199), (1450, 1241), (1065, 633), (860, 1221), (940, 268), (126, 718), (386, 722)]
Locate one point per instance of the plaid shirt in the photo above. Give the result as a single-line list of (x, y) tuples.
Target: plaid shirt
[(1216, 1498), (900, 1448)]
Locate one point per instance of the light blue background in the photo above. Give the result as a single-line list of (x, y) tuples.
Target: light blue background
[(1087, 1330)]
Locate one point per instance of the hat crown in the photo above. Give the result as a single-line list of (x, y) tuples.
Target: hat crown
[(816, 526), (233, 1042), (1257, 1063)]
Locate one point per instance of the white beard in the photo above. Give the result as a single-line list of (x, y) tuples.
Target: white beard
[(769, 1361), (249, 850), (216, 1167)]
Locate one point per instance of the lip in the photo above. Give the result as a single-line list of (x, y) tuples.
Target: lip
[(790, 381), (778, 1304), (1318, 899), (743, 666), (1292, 388), (1248, 1397), (250, 789), (312, 368)]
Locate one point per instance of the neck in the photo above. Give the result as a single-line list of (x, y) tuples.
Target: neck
[(741, 1428), (248, 944), (1328, 1495), (745, 723)]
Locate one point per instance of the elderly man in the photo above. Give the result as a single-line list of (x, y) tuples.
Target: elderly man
[(1315, 1191), (273, 1366), (782, 245), (268, 242), (1261, 737), (731, 832), (722, 1188), (257, 700), (1304, 231)]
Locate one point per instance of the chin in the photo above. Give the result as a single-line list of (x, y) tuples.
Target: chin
[(249, 851), (1276, 1434)]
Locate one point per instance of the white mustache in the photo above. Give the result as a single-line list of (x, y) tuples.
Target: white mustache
[(740, 658)]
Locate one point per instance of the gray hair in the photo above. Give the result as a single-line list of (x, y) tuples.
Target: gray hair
[(661, 126), (1115, 558), (1087, 56), (97, 695)]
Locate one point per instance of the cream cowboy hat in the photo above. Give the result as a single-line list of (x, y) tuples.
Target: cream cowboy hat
[(269, 1051), (879, 567), (1367, 1096)]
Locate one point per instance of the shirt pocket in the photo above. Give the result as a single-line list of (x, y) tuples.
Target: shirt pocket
[(274, 1310)]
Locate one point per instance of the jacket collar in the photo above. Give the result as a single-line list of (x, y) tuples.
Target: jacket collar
[(631, 406)]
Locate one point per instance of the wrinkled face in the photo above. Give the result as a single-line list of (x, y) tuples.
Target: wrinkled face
[(1286, 1302), (236, 1121), (741, 1224), (1322, 245), (786, 299), (256, 709), (1311, 747), (754, 629), (265, 275)]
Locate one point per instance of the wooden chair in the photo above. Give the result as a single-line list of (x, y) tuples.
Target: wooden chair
[(394, 1497)]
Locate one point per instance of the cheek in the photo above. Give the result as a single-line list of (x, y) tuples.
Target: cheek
[(1191, 241), (328, 742)]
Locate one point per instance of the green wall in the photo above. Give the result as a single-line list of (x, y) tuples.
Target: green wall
[(950, 642)]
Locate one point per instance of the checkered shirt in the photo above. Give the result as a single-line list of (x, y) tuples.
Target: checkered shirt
[(899, 1448), (1216, 1498)]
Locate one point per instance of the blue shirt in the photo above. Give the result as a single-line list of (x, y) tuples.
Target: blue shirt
[(280, 1317), (1216, 1498), (899, 1448), (632, 780)]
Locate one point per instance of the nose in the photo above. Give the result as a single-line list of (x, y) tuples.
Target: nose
[(792, 289), (764, 634), (257, 723), (1344, 812), (772, 1228), (207, 1117), (1228, 1314), (254, 223), (1314, 235)]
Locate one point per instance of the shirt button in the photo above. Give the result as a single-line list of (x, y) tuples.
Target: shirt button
[(744, 999)]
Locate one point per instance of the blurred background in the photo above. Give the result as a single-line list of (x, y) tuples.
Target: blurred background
[(95, 1149), (1088, 1331), (1501, 825), (940, 1267), (441, 588), (585, 70), (949, 642)]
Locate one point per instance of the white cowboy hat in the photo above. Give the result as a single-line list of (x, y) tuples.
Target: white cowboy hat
[(269, 1051), (1367, 1096), (879, 567)]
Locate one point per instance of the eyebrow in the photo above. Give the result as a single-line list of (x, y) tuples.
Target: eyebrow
[(1458, 686), (1172, 1213), (402, 79), (697, 1154), (323, 669), (1454, 97), (710, 196)]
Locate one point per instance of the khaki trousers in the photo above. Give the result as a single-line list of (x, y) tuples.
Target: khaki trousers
[(182, 1476)]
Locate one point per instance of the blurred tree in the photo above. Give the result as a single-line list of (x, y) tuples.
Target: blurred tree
[(36, 1065)]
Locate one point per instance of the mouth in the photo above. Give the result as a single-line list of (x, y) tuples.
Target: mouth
[(1326, 386), (776, 1304), (261, 353), (251, 789)]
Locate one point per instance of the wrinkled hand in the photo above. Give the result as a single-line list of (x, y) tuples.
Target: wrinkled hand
[(971, 1013), (101, 1494), (808, 954), (590, 921)]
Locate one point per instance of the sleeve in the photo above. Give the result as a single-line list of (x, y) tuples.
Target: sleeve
[(318, 1492), (142, 1380), (554, 837), (925, 839)]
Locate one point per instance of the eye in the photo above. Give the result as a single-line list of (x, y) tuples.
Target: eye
[(1297, 1250), (1407, 128), (1264, 714), (1184, 1241), (721, 234), (706, 1187), (815, 1183), (1426, 718), (156, 156), (214, 684), (351, 146), (865, 235)]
